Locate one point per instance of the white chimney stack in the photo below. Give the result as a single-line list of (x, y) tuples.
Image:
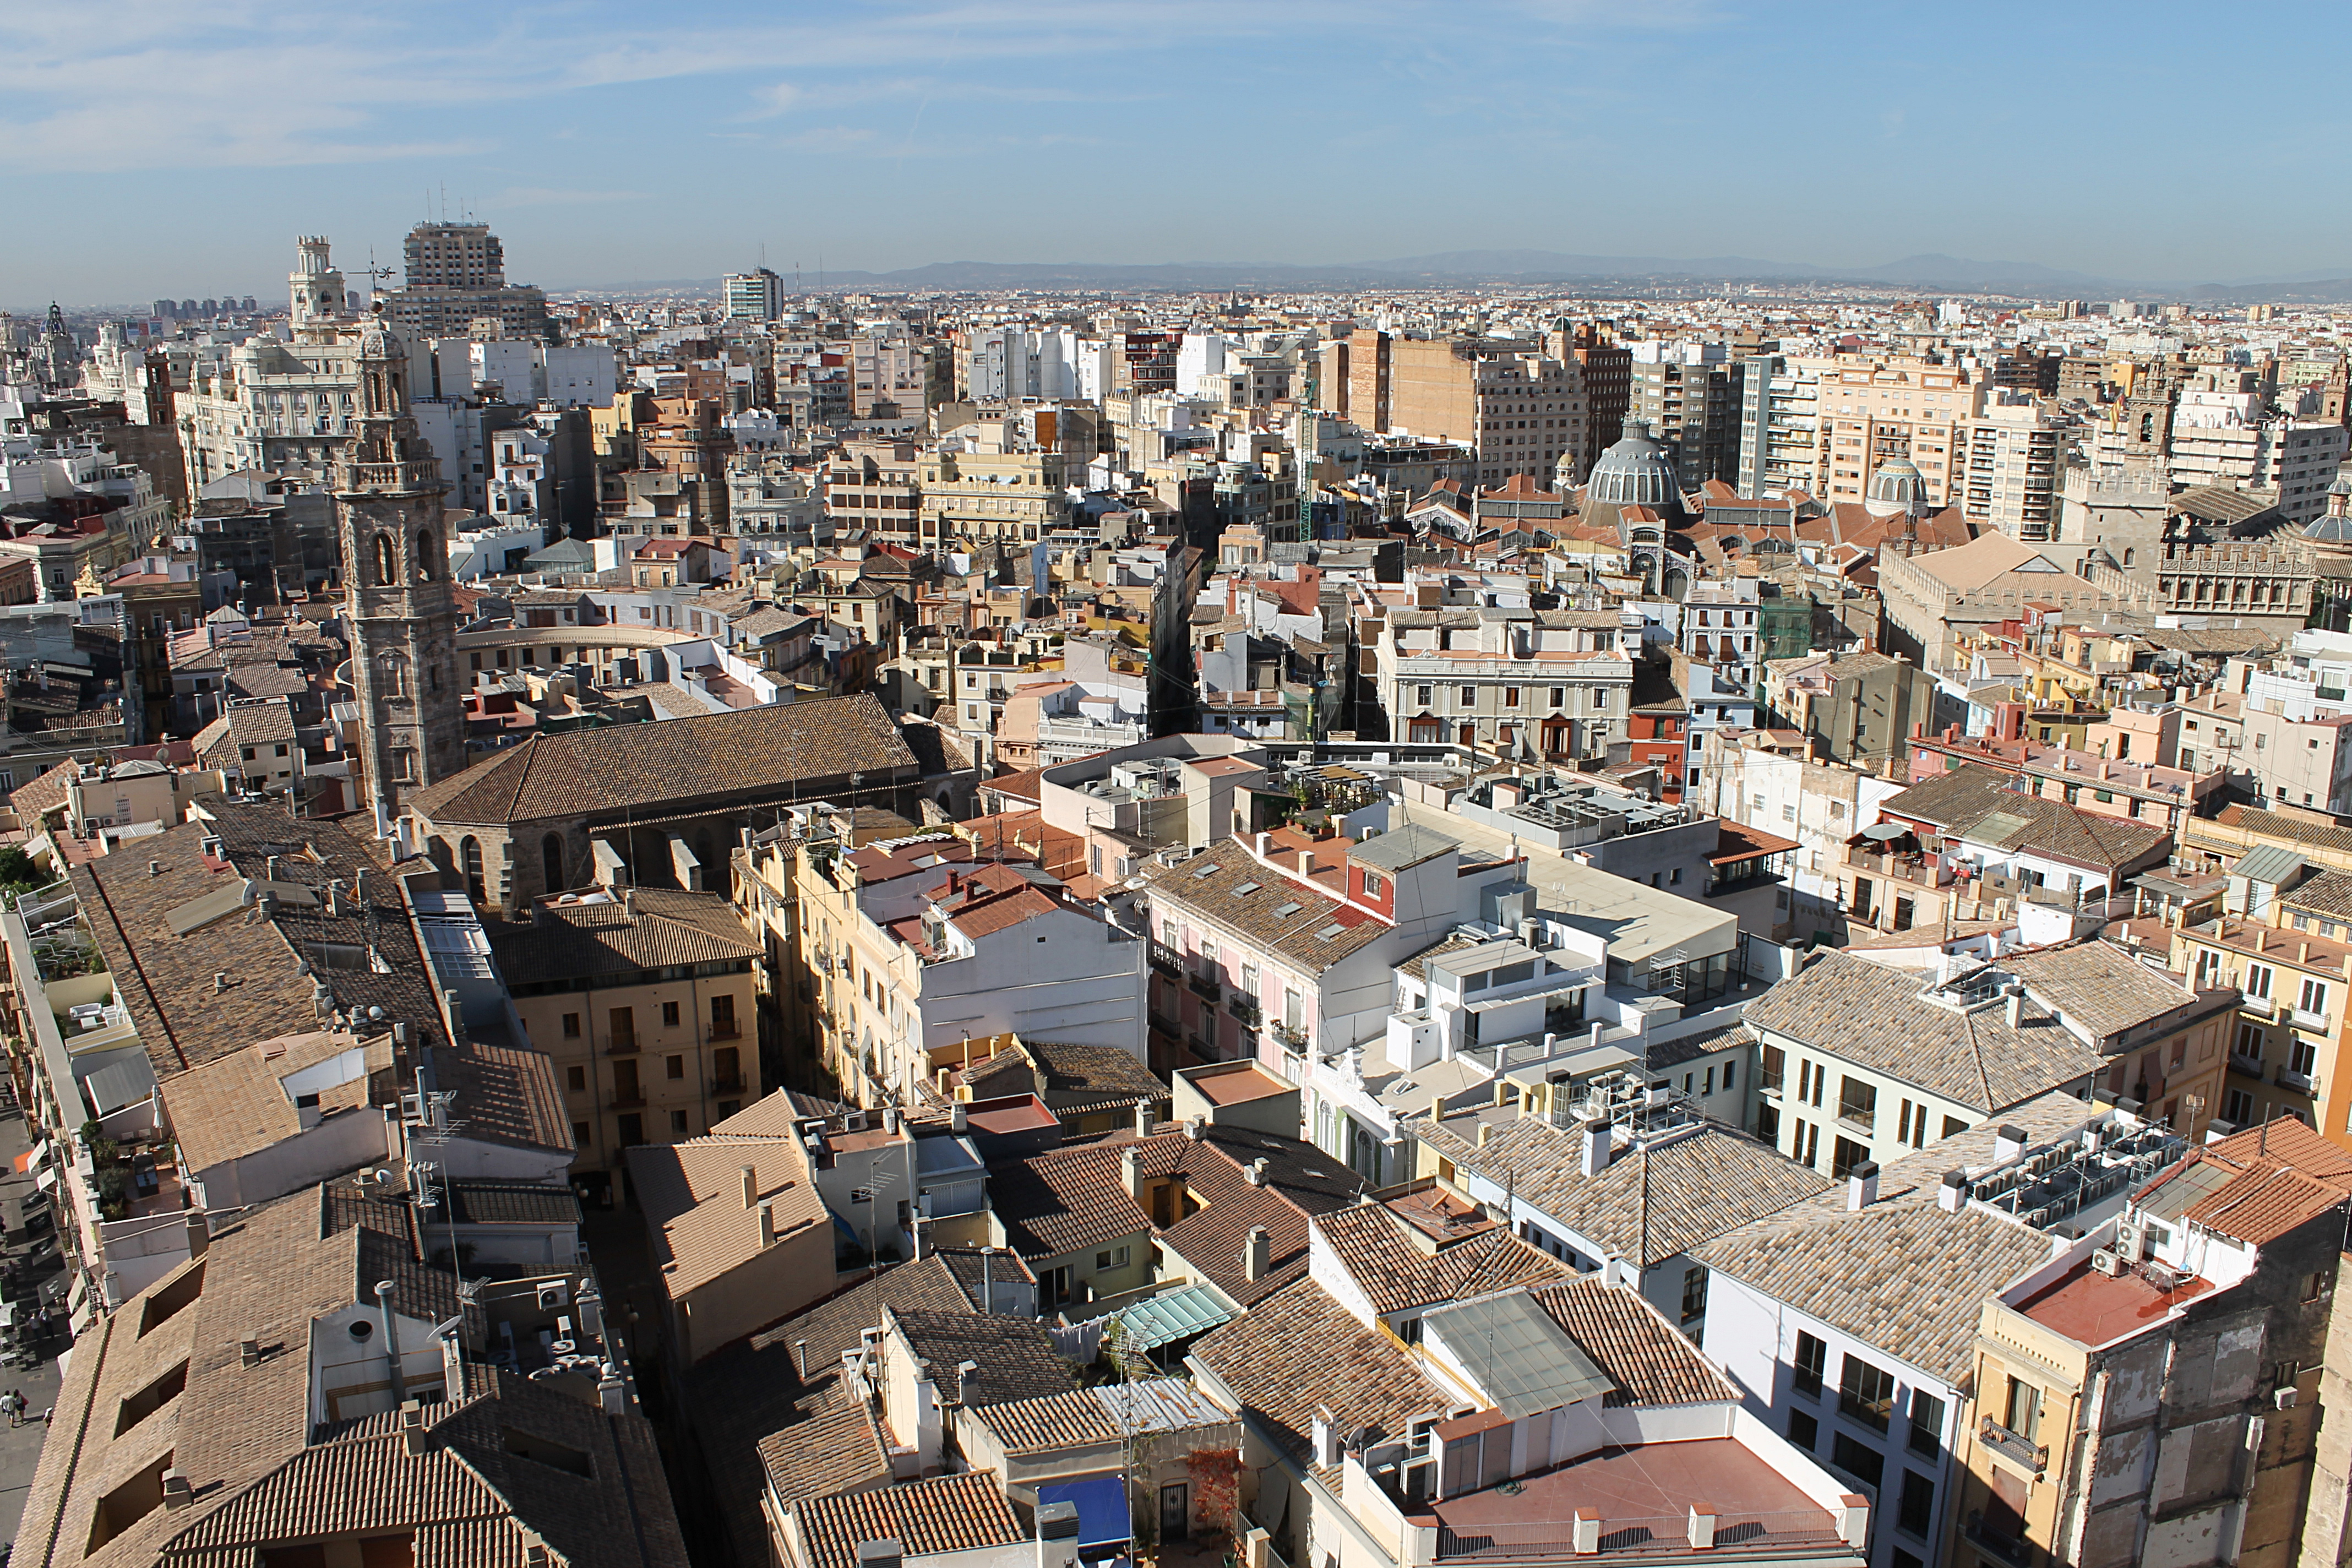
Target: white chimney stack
[(1953, 1196), (1862, 1186), (1258, 1257), (2008, 1143), (767, 1222), (1597, 1149), (750, 1187), (1326, 1437), (2016, 1005)]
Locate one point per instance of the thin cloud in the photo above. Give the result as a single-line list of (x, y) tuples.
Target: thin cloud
[(543, 197)]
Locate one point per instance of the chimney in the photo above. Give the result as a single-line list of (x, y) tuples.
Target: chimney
[(767, 1223), (1131, 1172), (877, 1555), (1326, 1437), (750, 1187), (612, 1393), (1597, 1150), (220, 981), (959, 1118), (154, 867), (2007, 1142), (1254, 1171), (1953, 1196), (1146, 1120), (1484, 1131), (1584, 1534), (2016, 1005), (176, 1491), (200, 1233), (249, 1351), (1862, 1186), (890, 1121), (1057, 1535), (1258, 1257), (383, 1289), (1194, 1127), (412, 1427)]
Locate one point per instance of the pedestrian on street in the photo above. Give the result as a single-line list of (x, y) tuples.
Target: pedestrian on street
[(14, 1404)]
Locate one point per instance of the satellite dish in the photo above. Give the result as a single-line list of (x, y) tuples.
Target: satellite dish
[(1886, 832)]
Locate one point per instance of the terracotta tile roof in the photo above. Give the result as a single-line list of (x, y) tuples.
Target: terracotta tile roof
[(2106, 990), (1972, 803), (1397, 1275), (1902, 1274), (1016, 1355), (184, 1015), (236, 1106), (1630, 1340), (1658, 1201), (692, 1195), (947, 1513), (1855, 1010), (1211, 887), (506, 1094), (753, 753), (658, 928), (1074, 1199), (46, 793), (1298, 1349), (2282, 1177), (1057, 1421)]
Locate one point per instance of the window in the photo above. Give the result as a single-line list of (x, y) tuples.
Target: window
[(1927, 1423), (581, 1133), (1858, 1102), (1917, 1510), (1372, 884), (2022, 1412), (2315, 997), (1694, 1293), (677, 1124), (1866, 1392), (575, 1078), (674, 1068), (2302, 1058), (1469, 696), (633, 1129), (571, 1025), (669, 1014), (2258, 975), (1812, 1360), (622, 1024), (1858, 1459), (1804, 1429)]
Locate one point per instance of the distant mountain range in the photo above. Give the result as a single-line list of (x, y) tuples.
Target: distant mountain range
[(1455, 269)]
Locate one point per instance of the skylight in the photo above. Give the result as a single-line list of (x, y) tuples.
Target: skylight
[(1247, 887)]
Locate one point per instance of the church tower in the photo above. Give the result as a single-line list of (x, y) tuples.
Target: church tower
[(396, 598), (314, 289)]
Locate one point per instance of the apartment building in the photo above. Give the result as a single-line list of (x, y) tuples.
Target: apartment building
[(1007, 497), (1521, 410), (1873, 411), (2011, 478), (2148, 1394), (1691, 403), (1509, 683), (1915, 1059), (642, 1000), (914, 946), (1849, 1317), (1783, 444), (1860, 708)]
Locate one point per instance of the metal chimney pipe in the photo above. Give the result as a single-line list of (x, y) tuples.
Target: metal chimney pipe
[(391, 1341)]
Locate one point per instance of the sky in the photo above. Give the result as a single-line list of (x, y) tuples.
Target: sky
[(153, 147)]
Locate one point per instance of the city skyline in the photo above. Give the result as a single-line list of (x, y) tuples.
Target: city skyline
[(1307, 134)]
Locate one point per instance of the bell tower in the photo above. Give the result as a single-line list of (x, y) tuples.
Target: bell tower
[(396, 594)]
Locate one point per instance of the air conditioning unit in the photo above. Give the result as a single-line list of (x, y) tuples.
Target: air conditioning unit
[(2131, 1243), (2105, 1262)]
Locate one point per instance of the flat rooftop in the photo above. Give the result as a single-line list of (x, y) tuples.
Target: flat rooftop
[(1239, 1087), (2092, 1309), (1643, 1497)]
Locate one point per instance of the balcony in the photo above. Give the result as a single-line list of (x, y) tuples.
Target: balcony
[(2018, 1450), (1164, 1023), (629, 1101), (2314, 1022), (2251, 1065), (1167, 960), (727, 1084), (1289, 1038), (1208, 987), (2008, 1548), (2301, 1082), (725, 1029), (1245, 1009), (621, 1044)]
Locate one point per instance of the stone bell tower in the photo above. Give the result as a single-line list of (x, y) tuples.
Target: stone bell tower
[(396, 594)]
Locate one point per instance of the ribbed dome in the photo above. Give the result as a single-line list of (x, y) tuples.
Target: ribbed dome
[(380, 341), (1897, 487), (1636, 471)]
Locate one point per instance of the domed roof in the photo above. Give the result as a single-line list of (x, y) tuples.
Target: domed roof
[(380, 341), (1895, 487), (1636, 471)]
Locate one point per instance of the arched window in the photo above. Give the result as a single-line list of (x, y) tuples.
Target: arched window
[(392, 673), (2128, 559), (470, 862), (426, 555), (550, 861), (385, 576)]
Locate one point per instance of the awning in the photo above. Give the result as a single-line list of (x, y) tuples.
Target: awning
[(47, 1180), (37, 1153), (1171, 1316), (1103, 1514)]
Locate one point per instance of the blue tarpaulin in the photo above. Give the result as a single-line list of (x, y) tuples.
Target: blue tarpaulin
[(1102, 1510)]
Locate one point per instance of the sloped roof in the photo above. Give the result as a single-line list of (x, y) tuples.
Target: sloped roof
[(756, 753)]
